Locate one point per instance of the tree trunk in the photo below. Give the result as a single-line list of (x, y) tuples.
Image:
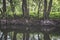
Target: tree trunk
[(4, 7), (45, 9), (39, 9), (49, 8), (46, 36), (12, 5), (5, 35), (38, 37), (14, 36), (25, 9), (23, 36), (1, 37), (27, 36), (1, 10), (33, 37)]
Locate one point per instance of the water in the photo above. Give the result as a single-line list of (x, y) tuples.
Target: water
[(8, 37), (32, 37)]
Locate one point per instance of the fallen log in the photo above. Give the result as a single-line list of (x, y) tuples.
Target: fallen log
[(32, 25)]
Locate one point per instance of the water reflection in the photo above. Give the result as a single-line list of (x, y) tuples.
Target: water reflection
[(32, 37), (2, 36), (55, 38)]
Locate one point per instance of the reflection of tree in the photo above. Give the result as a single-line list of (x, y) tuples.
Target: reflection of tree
[(14, 36), (46, 36)]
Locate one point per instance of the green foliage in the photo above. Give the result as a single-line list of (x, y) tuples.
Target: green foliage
[(33, 8), (55, 15)]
